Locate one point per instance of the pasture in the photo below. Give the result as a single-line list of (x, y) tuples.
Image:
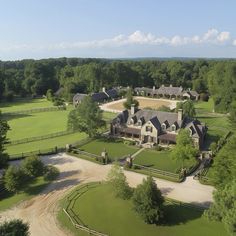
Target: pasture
[(179, 219), (24, 104)]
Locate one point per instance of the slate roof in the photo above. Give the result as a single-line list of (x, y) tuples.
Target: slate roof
[(99, 97), (112, 93), (169, 90), (78, 97), (157, 118), (196, 128), (143, 89)]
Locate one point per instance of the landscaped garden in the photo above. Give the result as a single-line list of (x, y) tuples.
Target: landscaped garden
[(161, 160), (111, 213), (115, 148)]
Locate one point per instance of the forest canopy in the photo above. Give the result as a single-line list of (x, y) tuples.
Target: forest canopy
[(35, 77)]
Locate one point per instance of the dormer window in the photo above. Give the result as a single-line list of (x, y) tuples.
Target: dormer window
[(173, 128), (140, 123), (163, 126), (131, 122)]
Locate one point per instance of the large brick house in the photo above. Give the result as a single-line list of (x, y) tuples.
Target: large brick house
[(156, 127)]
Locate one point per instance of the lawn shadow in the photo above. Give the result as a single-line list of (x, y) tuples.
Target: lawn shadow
[(165, 191), (12, 116), (177, 214)]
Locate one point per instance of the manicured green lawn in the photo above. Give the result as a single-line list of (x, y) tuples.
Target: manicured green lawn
[(8, 199), (24, 104), (205, 106), (115, 148), (109, 115), (60, 141), (37, 124), (161, 160), (99, 209)]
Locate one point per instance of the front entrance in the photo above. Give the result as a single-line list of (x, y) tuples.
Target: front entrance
[(148, 139)]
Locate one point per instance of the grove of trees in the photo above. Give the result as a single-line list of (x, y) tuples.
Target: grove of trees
[(36, 77)]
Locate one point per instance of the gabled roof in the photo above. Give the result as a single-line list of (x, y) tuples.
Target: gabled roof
[(143, 89), (79, 97), (99, 97), (170, 90), (196, 128), (161, 116), (112, 93)]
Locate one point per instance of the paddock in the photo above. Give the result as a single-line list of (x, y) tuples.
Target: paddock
[(144, 102)]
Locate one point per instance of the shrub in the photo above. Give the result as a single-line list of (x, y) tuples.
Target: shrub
[(204, 97), (9, 96), (14, 179), (33, 166), (50, 172), (129, 142), (158, 148), (14, 228)]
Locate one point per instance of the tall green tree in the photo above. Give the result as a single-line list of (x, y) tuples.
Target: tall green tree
[(130, 100), (87, 117), (4, 127), (184, 149), (232, 114), (117, 179), (224, 207), (14, 228), (224, 164), (148, 201), (187, 107)]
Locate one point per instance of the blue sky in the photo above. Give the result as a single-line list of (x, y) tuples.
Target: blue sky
[(111, 28)]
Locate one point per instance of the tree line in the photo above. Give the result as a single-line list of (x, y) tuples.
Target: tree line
[(35, 77)]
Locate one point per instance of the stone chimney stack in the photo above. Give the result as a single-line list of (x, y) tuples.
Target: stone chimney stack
[(132, 109), (180, 114), (104, 89), (170, 85), (153, 88)]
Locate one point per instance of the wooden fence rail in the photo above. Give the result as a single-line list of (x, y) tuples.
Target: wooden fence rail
[(72, 198), (157, 171), (34, 110), (37, 138)]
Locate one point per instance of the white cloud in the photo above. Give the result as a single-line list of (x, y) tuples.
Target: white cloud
[(212, 36)]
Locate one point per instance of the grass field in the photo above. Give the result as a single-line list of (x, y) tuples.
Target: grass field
[(9, 199), (218, 124), (24, 104), (37, 124), (161, 160), (60, 141), (204, 107), (116, 217), (115, 148)]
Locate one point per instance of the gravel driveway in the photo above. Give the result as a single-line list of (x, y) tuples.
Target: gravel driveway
[(41, 210)]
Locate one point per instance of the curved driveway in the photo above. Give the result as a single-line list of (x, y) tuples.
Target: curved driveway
[(41, 210)]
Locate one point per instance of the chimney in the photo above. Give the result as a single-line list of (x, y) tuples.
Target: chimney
[(162, 85), (132, 109), (104, 89), (153, 88), (170, 85), (180, 114)]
